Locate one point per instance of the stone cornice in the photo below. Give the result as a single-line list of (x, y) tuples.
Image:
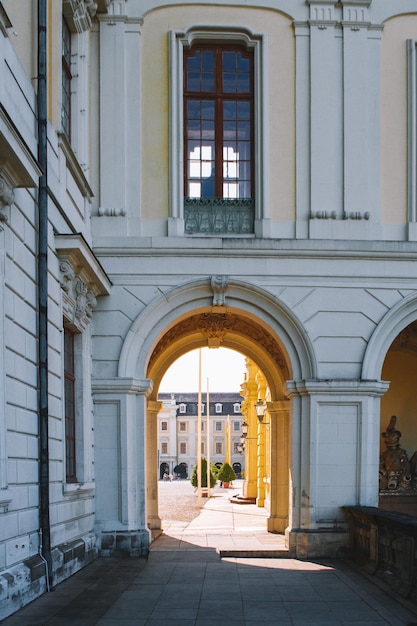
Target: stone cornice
[(335, 387)]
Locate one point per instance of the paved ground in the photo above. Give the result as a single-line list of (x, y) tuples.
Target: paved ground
[(186, 583)]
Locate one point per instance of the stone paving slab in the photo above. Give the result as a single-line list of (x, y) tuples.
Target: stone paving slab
[(185, 582)]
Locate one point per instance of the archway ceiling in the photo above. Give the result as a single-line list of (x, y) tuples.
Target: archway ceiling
[(406, 341), (226, 330)]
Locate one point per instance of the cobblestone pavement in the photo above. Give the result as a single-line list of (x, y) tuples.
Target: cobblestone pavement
[(177, 501)]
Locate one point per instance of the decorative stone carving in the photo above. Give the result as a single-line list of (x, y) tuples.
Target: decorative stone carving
[(67, 275), (219, 285), (6, 198), (78, 300), (79, 14), (323, 215), (212, 323), (214, 327), (395, 473), (111, 212)]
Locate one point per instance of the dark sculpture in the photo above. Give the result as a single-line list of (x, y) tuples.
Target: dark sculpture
[(396, 473)]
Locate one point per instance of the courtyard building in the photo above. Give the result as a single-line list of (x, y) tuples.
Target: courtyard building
[(191, 173)]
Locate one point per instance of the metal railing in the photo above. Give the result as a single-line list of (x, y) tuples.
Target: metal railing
[(216, 216)]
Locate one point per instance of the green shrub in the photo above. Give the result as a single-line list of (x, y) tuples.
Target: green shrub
[(226, 473), (194, 475)]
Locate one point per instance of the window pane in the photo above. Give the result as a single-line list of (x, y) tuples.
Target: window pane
[(229, 61), (207, 109), (207, 60), (229, 110), (193, 109), (243, 110), (229, 82), (243, 130), (193, 62), (243, 83), (229, 131), (243, 64), (193, 81), (207, 81)]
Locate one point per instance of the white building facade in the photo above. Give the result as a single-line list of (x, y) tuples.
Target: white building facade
[(221, 432), (218, 174)]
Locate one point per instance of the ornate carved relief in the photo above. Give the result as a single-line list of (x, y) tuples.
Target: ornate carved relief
[(6, 198), (78, 300), (79, 14), (219, 285), (214, 328)]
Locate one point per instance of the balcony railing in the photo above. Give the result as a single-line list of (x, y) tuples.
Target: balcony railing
[(217, 216)]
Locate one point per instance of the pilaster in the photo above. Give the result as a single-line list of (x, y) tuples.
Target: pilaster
[(335, 459), (152, 410), (250, 393), (279, 418), (120, 154), (121, 469)]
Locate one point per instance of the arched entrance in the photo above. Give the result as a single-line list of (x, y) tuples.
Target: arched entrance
[(210, 312), (242, 318), (392, 355)]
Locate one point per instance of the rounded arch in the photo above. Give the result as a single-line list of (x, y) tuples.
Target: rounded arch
[(395, 320), (258, 325)]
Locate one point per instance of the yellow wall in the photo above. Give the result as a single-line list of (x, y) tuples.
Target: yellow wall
[(23, 34), (401, 398), (394, 117), (155, 94)]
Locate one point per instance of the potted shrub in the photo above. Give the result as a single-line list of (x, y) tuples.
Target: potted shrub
[(194, 476), (226, 474)]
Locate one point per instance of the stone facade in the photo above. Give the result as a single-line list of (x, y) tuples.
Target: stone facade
[(320, 293)]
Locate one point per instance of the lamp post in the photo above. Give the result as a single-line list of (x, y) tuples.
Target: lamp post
[(260, 408)]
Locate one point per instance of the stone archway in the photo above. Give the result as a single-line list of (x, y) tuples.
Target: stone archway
[(211, 311), (392, 355)]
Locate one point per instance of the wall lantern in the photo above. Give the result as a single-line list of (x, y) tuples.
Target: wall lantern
[(244, 429), (260, 408)]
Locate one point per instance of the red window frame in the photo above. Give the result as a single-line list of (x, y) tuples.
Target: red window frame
[(218, 100)]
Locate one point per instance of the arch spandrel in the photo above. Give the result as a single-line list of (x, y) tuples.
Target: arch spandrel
[(393, 323)]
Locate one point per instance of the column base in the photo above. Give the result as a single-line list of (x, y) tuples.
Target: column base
[(318, 543), (124, 543), (277, 524)]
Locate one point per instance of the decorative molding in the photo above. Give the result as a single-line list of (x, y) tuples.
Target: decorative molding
[(6, 198), (111, 212), (214, 327), (82, 279), (79, 14), (323, 215), (219, 286), (356, 215), (347, 215), (412, 129)]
